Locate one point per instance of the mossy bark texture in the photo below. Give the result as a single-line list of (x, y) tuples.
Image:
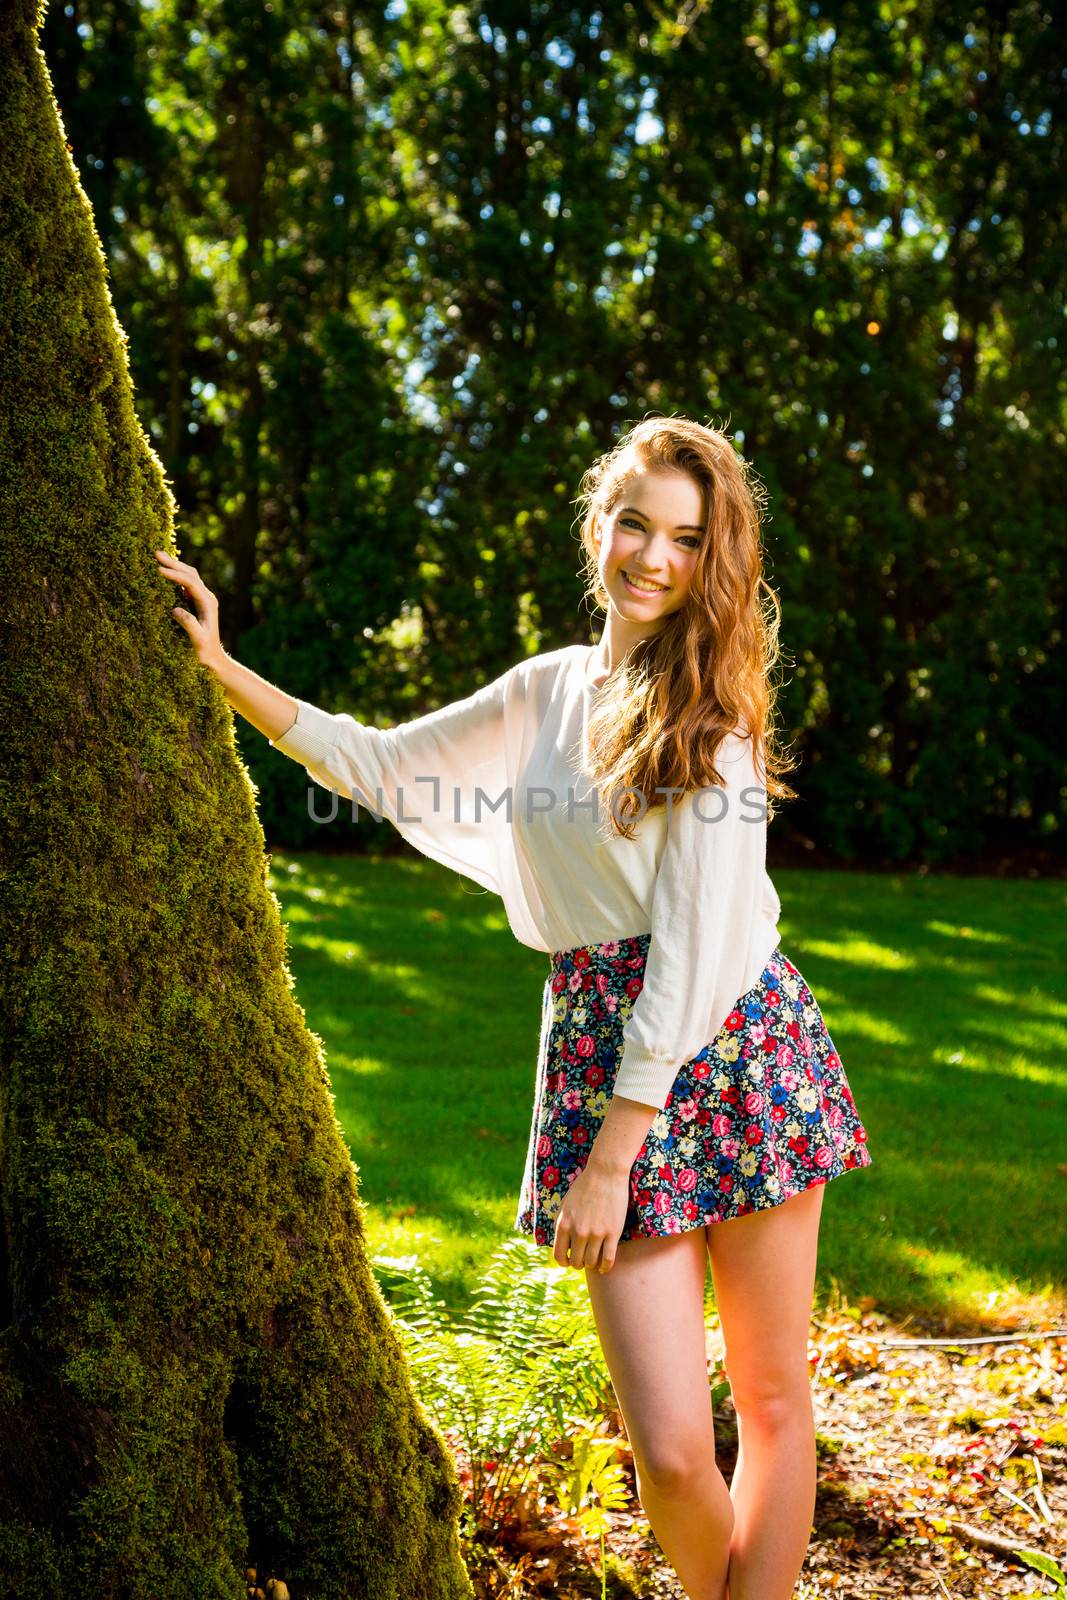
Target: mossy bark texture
[(196, 1363)]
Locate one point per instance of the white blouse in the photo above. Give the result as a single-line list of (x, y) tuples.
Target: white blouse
[(495, 787)]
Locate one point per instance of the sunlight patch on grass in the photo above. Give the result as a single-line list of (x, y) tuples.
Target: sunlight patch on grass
[(1009, 998), (966, 970), (962, 1280), (295, 912), (1040, 1011), (946, 1272), (1017, 1066), (342, 1061), (337, 949), (875, 1029), (1026, 1067), (331, 892), (402, 978), (857, 952), (975, 935)]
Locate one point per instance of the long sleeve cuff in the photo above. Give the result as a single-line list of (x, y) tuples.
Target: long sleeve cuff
[(311, 738), (646, 1075)]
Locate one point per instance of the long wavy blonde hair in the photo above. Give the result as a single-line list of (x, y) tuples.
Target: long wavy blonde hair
[(665, 709)]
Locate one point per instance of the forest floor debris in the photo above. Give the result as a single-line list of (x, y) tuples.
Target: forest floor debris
[(942, 1455)]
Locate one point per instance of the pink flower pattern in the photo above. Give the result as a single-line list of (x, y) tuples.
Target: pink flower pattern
[(763, 1112)]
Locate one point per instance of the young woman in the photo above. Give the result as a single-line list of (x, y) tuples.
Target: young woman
[(689, 1101)]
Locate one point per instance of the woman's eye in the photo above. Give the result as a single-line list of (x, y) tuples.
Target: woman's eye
[(690, 539)]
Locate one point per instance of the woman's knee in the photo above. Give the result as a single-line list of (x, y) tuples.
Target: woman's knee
[(771, 1400), (674, 1464)]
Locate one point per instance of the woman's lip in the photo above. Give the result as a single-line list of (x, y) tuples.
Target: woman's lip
[(662, 588)]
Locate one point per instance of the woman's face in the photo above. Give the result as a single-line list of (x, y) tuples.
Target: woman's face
[(653, 534)]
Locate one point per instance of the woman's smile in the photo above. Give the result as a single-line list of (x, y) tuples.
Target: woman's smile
[(643, 585)]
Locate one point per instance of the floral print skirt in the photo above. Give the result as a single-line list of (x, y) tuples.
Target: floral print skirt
[(763, 1112)]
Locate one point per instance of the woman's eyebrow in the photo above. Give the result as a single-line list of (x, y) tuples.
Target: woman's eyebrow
[(680, 528)]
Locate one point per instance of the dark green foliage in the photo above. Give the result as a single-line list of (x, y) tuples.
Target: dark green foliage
[(196, 1364), (840, 232)]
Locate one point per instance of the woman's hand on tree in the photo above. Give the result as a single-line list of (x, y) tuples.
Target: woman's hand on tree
[(203, 627)]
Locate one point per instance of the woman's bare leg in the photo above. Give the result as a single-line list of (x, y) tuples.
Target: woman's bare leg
[(763, 1271), (649, 1312)]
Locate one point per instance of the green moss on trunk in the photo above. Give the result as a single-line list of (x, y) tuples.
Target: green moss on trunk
[(196, 1363)]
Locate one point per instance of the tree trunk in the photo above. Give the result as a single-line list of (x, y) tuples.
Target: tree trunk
[(197, 1368)]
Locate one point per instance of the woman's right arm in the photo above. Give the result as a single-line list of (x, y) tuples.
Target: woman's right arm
[(441, 779), (259, 702), (265, 707)]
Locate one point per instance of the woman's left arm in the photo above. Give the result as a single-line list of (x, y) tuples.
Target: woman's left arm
[(593, 1213), (706, 911), (708, 925)]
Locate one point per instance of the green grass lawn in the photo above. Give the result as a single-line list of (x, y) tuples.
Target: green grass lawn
[(945, 997)]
